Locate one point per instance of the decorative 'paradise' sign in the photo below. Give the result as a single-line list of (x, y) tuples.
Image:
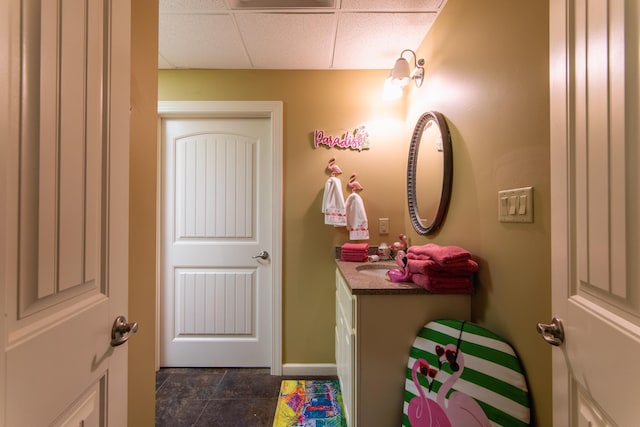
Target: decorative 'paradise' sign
[(358, 140)]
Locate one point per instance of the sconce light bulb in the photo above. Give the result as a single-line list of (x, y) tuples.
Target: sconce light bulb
[(391, 91), (400, 75)]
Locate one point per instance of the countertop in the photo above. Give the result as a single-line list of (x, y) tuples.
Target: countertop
[(369, 284)]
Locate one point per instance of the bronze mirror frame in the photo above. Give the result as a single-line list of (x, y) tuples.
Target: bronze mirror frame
[(412, 166)]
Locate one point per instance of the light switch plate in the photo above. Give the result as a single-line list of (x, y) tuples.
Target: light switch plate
[(383, 225), (515, 205)]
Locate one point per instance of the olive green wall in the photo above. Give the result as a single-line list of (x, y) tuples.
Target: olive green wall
[(335, 101), (487, 72)]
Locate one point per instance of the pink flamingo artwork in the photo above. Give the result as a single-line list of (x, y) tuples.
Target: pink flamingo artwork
[(461, 409), (400, 245), (401, 259), (401, 274), (333, 167), (355, 185), (422, 411)]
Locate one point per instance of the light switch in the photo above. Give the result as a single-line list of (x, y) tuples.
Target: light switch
[(515, 205), (383, 225), (512, 205), (522, 205), (504, 206)]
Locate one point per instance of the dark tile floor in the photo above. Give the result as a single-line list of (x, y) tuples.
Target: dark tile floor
[(216, 397)]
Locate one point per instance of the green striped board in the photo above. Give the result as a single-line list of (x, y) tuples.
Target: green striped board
[(461, 374)]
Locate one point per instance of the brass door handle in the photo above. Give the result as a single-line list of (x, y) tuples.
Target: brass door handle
[(121, 331)]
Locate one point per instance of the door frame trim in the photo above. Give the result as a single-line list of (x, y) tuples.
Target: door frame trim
[(559, 179), (228, 109)]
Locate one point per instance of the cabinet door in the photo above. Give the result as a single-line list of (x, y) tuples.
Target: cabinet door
[(345, 350), (344, 360)]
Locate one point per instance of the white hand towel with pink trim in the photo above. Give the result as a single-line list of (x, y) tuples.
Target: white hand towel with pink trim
[(333, 206), (357, 223)]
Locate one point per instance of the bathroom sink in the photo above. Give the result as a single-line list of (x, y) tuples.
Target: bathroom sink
[(376, 270)]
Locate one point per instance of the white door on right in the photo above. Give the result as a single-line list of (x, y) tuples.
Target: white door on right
[(595, 204)]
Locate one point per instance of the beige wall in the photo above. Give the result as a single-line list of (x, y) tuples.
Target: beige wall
[(487, 72), (142, 208)]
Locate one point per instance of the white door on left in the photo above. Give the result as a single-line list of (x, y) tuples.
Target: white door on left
[(64, 210)]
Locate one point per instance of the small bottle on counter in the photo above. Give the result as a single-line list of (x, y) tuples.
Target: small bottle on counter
[(384, 252)]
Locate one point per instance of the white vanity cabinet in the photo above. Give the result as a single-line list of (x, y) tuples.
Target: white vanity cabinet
[(375, 329)]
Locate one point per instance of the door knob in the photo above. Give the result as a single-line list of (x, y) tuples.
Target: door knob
[(261, 255), (553, 333), (121, 330)]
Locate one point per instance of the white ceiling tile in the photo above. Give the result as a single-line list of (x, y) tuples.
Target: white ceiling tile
[(358, 34), (192, 6), (374, 40), (288, 40), (392, 5), (201, 41), (281, 4)]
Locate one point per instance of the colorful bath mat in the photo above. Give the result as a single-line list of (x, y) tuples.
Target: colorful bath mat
[(309, 403)]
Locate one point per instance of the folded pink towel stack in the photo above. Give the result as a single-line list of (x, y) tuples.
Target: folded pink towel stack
[(441, 269), (457, 286), (441, 254), (426, 266), (355, 252)]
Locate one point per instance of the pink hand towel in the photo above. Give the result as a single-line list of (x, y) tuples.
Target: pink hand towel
[(441, 254), (449, 279), (463, 265), (355, 252), (355, 247), (412, 255), (354, 258), (427, 266), (460, 287), (419, 265)]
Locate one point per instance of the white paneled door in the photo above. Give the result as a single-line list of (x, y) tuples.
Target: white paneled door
[(595, 200), (64, 108), (217, 242)]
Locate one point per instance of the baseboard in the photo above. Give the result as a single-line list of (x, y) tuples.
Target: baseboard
[(311, 369)]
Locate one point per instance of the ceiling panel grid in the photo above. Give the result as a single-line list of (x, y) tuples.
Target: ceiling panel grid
[(291, 34)]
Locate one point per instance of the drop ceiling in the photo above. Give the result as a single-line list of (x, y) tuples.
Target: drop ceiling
[(291, 34)]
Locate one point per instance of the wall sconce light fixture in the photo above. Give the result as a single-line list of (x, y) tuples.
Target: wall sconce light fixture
[(401, 74)]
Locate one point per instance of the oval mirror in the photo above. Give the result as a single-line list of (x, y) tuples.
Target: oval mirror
[(429, 172)]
